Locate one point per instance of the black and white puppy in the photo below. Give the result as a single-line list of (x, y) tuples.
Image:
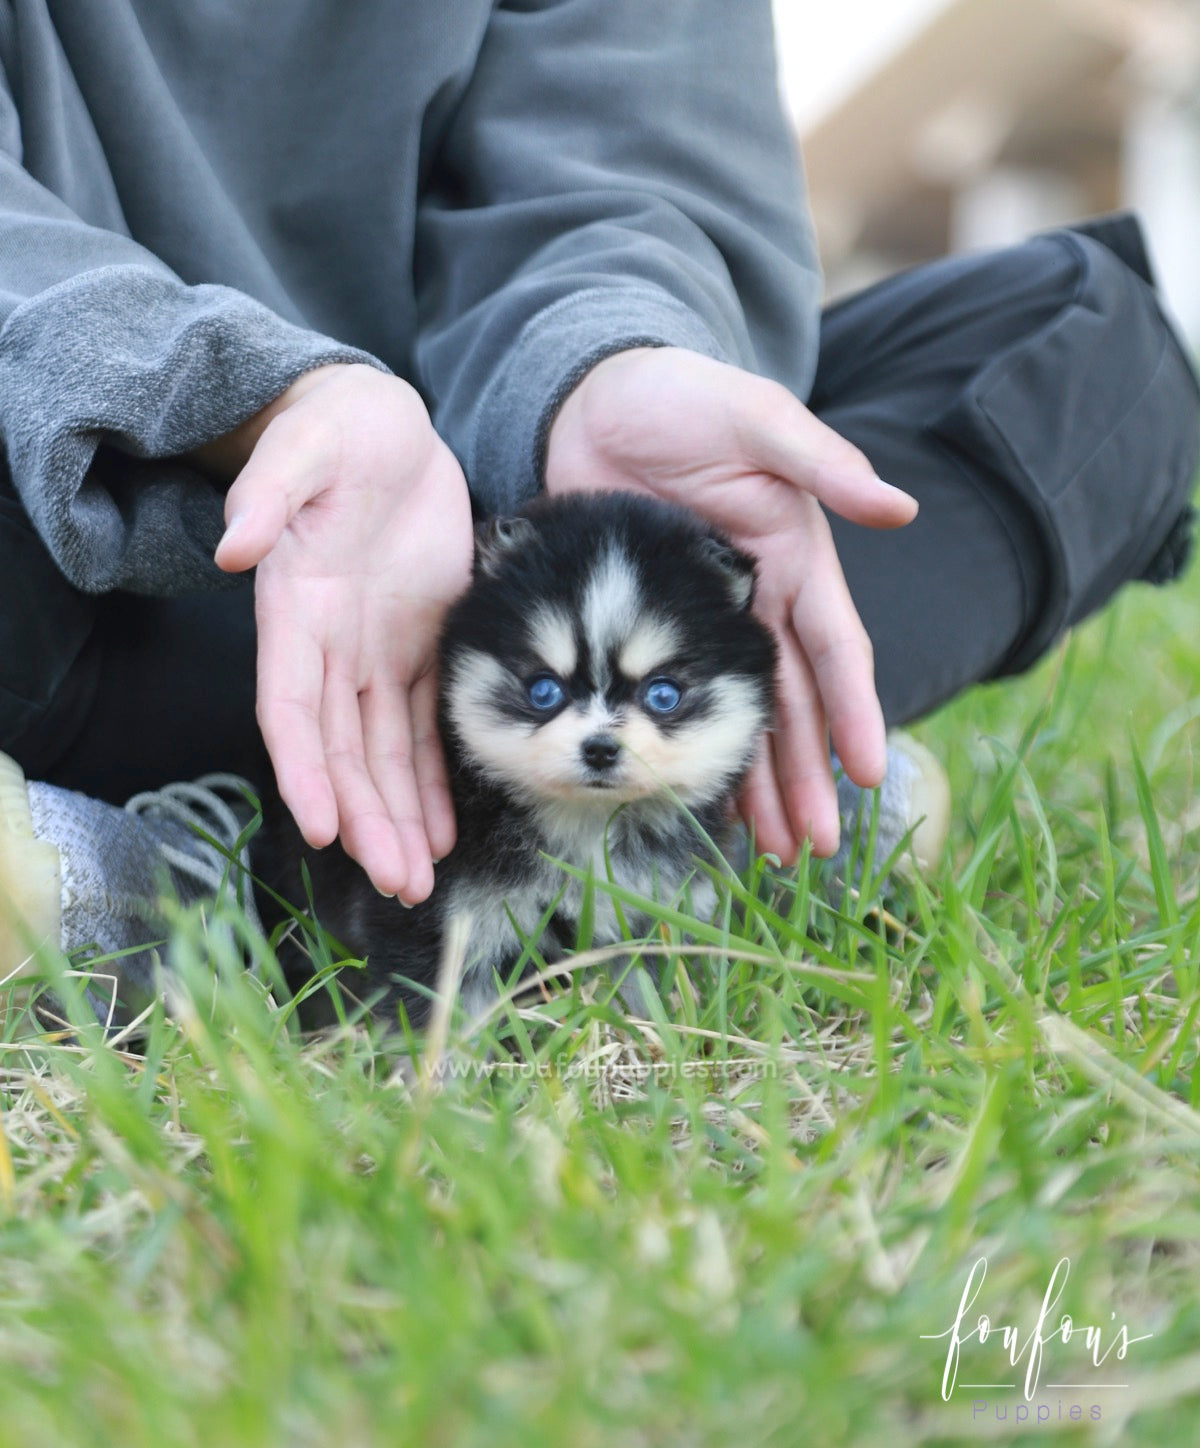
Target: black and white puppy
[(602, 678)]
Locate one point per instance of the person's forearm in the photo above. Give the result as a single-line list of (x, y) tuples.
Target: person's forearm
[(609, 205)]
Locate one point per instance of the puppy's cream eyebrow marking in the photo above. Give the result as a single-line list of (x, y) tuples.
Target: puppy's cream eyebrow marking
[(652, 642), (552, 634), (611, 607)]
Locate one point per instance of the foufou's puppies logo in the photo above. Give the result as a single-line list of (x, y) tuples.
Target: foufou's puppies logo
[(1012, 1346)]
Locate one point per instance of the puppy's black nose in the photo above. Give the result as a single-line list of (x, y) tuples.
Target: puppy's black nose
[(600, 752)]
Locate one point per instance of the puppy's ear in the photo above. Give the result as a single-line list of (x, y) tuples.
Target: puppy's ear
[(497, 539), (735, 568)]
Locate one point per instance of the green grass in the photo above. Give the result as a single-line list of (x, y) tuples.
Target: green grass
[(730, 1223)]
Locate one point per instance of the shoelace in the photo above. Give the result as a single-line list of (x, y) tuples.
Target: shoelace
[(198, 805)]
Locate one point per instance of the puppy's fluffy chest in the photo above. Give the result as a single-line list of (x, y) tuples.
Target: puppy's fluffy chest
[(544, 903)]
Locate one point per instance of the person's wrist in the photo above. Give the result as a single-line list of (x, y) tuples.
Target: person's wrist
[(225, 456), (578, 440)]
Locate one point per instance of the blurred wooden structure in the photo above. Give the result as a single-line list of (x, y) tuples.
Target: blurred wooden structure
[(999, 117)]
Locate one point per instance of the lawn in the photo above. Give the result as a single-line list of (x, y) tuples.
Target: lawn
[(750, 1217)]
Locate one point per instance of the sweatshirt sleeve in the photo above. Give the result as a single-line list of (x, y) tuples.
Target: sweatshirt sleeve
[(618, 173), (110, 366)]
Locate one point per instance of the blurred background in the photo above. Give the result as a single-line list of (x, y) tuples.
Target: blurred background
[(932, 126)]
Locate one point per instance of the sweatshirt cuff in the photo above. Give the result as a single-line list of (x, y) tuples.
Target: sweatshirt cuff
[(104, 380), (505, 453)]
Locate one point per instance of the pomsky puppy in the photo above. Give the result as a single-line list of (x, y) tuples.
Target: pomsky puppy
[(604, 686)]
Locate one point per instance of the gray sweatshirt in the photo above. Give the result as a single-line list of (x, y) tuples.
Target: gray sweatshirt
[(202, 199)]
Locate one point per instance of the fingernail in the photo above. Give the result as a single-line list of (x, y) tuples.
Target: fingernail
[(387, 894), (899, 492), (231, 528)]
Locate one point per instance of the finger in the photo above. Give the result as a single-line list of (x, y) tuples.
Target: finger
[(282, 475), (800, 746), (780, 436), (762, 806), (433, 784), (364, 821), (839, 656), (256, 521), (291, 677), (388, 739)]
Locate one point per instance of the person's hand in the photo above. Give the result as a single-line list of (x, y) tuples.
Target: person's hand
[(746, 455), (357, 517)]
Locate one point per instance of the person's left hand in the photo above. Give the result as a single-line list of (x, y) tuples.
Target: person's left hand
[(746, 455), (356, 516)]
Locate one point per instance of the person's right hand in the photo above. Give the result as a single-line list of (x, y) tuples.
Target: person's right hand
[(357, 517), (748, 456)]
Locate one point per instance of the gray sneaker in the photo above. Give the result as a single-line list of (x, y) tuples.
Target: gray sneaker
[(78, 875), (914, 807), (912, 816)]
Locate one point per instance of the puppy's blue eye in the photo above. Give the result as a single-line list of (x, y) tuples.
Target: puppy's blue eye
[(662, 696), (545, 693)]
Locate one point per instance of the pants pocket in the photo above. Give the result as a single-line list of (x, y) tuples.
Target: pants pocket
[(1095, 421)]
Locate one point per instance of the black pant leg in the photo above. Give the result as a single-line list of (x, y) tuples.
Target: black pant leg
[(1040, 408), (118, 694), (173, 699), (45, 632)]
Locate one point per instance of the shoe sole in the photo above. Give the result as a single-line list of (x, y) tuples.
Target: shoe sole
[(30, 881), (930, 801)]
